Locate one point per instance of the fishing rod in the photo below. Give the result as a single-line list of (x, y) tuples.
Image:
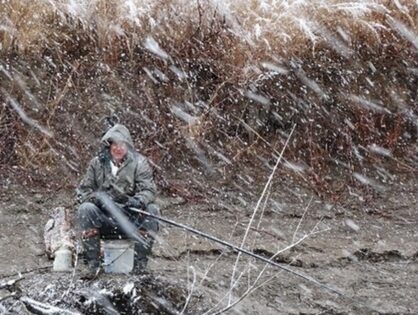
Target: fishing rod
[(242, 250)]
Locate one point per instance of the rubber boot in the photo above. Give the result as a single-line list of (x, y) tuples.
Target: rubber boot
[(141, 252), (91, 256), (91, 248)]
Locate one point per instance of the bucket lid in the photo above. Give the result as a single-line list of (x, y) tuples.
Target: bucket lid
[(118, 244)]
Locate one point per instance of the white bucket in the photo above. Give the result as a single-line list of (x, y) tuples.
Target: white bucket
[(63, 259), (118, 256)]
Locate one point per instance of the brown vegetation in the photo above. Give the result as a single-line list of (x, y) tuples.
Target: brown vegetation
[(202, 85)]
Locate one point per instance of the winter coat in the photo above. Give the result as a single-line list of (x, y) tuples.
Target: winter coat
[(133, 179)]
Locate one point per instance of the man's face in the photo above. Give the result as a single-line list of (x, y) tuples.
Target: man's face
[(118, 150)]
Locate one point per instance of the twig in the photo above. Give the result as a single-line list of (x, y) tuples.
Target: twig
[(259, 202), (245, 251), (301, 219), (261, 217), (228, 292), (267, 143), (10, 283), (26, 271), (264, 208), (73, 273), (258, 277), (45, 309), (210, 267), (243, 296), (191, 291), (254, 286)]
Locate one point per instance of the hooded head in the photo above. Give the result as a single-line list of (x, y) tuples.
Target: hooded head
[(118, 141), (118, 133)]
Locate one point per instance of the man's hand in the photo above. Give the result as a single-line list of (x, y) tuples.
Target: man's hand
[(93, 198), (99, 198), (135, 203)]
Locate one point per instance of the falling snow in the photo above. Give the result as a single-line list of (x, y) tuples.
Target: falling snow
[(286, 130)]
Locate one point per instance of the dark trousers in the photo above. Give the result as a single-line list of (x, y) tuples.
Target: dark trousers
[(91, 216), (111, 221)]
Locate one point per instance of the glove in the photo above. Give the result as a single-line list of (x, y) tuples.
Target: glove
[(93, 199), (98, 198), (135, 203)]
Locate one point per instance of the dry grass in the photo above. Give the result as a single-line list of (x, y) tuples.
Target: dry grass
[(199, 82)]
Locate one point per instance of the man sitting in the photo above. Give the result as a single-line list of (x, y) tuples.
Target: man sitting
[(118, 181)]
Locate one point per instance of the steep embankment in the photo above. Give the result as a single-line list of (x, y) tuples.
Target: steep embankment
[(211, 91), (210, 88)]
